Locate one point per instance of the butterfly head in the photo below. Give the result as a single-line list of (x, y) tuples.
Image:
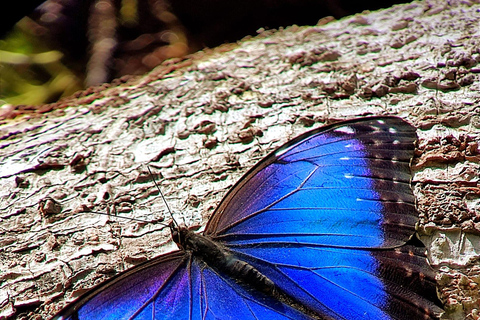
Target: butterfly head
[(179, 234)]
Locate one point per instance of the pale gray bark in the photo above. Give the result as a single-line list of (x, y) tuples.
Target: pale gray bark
[(202, 122)]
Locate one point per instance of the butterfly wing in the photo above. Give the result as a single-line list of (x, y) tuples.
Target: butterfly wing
[(316, 215), (175, 286), (308, 216), (131, 293), (349, 184)]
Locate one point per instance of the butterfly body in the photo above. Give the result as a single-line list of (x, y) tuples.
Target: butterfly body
[(219, 258), (319, 229)]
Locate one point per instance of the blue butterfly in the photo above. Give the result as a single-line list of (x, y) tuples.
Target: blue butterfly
[(319, 229)]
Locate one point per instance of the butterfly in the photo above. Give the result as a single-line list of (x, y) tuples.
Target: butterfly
[(321, 228)]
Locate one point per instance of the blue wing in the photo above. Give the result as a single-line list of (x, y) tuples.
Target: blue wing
[(176, 286), (346, 186), (316, 215)]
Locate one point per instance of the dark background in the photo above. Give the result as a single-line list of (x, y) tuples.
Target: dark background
[(140, 33)]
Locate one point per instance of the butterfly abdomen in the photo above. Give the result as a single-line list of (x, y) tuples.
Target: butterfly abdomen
[(247, 273), (219, 258)]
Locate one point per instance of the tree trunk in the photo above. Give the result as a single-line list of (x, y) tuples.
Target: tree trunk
[(202, 122)]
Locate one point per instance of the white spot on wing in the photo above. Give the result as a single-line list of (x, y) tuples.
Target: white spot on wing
[(392, 130), (282, 152), (345, 130), (396, 142), (348, 175), (345, 158)]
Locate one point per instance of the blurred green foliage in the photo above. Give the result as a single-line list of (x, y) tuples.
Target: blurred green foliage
[(30, 72)]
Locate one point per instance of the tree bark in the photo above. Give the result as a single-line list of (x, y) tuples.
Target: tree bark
[(200, 123)]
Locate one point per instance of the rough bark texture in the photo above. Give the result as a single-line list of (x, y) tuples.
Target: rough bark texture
[(201, 122)]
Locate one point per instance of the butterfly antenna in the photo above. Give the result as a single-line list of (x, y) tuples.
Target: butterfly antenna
[(115, 216), (126, 218), (163, 197)]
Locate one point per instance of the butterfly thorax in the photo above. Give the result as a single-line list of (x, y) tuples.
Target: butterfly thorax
[(221, 259)]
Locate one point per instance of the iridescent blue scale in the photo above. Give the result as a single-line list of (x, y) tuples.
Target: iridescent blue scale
[(319, 229)]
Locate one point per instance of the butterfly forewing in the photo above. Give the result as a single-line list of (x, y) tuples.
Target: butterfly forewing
[(340, 186)]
